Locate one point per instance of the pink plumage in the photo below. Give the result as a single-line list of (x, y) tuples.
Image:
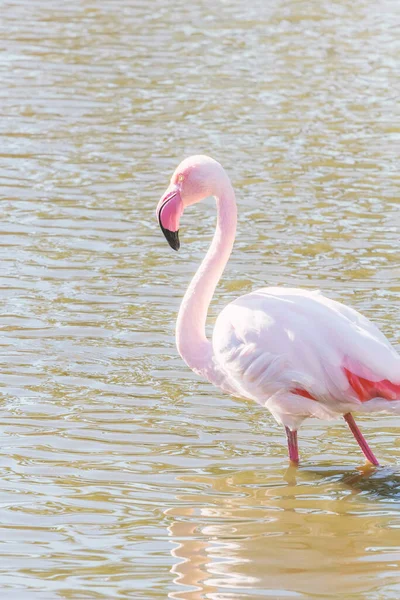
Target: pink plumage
[(294, 351)]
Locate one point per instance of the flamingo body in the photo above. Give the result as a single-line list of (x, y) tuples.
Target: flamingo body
[(294, 351), (300, 355)]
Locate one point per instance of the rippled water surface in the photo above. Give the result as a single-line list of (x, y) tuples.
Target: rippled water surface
[(122, 474)]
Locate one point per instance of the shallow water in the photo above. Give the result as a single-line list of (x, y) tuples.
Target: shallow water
[(122, 474)]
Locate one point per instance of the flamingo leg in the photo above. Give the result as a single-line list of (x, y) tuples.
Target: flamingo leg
[(362, 442), (293, 449)]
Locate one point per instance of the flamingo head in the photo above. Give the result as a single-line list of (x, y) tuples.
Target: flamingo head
[(197, 177)]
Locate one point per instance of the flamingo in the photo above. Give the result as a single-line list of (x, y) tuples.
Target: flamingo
[(295, 352)]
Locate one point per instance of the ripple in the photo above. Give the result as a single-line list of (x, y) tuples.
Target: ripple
[(122, 474)]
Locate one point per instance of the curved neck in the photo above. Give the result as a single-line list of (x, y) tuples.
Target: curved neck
[(191, 340)]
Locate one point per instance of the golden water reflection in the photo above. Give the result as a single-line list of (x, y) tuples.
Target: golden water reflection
[(230, 538)]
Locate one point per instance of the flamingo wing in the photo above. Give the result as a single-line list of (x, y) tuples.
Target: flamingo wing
[(300, 353)]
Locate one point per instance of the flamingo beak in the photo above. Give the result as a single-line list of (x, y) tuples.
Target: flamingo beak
[(169, 211), (172, 238)]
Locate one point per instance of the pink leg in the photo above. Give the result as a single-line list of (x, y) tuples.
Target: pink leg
[(292, 445), (362, 442)]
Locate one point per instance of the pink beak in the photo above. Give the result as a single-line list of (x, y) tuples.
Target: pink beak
[(169, 211)]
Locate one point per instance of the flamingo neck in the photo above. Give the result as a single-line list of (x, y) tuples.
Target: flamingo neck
[(191, 339)]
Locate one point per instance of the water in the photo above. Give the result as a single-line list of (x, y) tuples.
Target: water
[(122, 474)]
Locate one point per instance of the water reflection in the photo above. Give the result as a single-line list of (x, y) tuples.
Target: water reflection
[(377, 484), (230, 540)]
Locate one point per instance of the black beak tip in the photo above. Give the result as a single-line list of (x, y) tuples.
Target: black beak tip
[(172, 238)]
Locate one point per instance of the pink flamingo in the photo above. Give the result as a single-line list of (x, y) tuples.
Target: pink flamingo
[(293, 351)]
